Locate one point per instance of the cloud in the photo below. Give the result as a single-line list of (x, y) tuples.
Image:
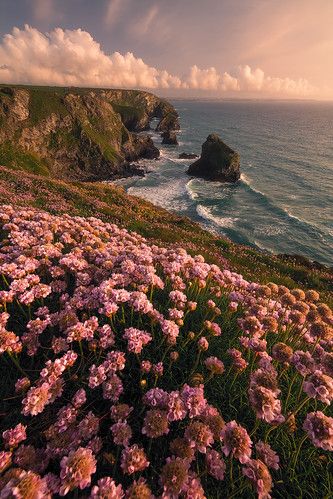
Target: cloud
[(143, 25), (43, 10), (74, 58), (113, 11), (246, 80)]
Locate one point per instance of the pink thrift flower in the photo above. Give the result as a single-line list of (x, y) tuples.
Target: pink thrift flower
[(259, 475), (133, 459), (76, 470), (215, 464), (14, 436), (267, 455), (319, 428), (214, 365), (122, 433), (106, 488), (236, 442), (319, 386)]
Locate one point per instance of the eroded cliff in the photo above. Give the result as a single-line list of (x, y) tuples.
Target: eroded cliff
[(79, 134)]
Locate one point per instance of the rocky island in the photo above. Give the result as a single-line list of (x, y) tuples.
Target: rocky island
[(217, 161), (79, 134)]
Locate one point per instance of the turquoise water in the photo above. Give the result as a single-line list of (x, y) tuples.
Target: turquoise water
[(284, 200)]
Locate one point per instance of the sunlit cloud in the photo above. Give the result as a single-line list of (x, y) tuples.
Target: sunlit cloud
[(74, 58)]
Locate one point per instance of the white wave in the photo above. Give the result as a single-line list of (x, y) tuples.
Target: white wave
[(262, 247), (248, 182), (193, 195), (270, 230), (205, 212), (169, 195)]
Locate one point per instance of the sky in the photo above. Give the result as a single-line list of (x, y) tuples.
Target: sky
[(185, 48)]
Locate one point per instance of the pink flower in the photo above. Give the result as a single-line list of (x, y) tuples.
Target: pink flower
[(158, 369), (122, 433), (194, 400), (174, 476), (106, 488), (259, 475), (14, 436), (79, 398), (319, 386), (76, 470), (120, 412), (136, 339), (203, 344), (146, 366), (156, 397), (170, 330), (236, 442), (36, 400), (238, 363), (155, 423), (215, 464), (194, 488), (267, 455), (133, 459), (112, 388), (22, 385), (23, 484), (214, 365), (5, 460), (319, 428), (199, 436), (176, 407), (265, 404)]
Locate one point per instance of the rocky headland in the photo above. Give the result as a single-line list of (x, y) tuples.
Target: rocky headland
[(217, 161), (79, 134)]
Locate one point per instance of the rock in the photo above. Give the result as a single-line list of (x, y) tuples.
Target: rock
[(217, 161), (138, 170), (185, 155), (169, 120), (141, 146), (169, 138)]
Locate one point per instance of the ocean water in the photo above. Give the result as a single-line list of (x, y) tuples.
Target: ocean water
[(284, 200)]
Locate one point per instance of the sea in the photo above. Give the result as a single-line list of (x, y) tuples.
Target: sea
[(283, 202)]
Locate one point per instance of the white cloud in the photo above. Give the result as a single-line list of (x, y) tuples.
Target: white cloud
[(143, 25), (113, 11), (43, 10), (74, 58)]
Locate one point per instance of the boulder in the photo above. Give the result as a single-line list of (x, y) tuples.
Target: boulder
[(217, 161), (140, 146), (170, 138), (185, 155)]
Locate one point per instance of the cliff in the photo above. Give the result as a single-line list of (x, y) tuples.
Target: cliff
[(79, 134)]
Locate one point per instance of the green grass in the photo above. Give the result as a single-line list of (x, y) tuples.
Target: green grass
[(18, 159), (43, 104)]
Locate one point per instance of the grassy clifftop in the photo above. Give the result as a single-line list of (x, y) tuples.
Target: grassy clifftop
[(111, 203), (75, 133)]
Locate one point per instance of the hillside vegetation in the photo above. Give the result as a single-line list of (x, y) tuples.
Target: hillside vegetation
[(111, 203)]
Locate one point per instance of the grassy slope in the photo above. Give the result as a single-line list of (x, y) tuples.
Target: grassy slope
[(111, 203)]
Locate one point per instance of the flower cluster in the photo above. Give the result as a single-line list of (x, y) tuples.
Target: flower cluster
[(134, 370)]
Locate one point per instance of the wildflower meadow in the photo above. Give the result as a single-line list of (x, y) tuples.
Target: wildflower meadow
[(130, 370)]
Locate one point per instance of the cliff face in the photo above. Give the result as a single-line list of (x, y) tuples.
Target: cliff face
[(78, 134)]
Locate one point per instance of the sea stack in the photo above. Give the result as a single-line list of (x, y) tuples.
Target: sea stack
[(169, 137), (217, 161)]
